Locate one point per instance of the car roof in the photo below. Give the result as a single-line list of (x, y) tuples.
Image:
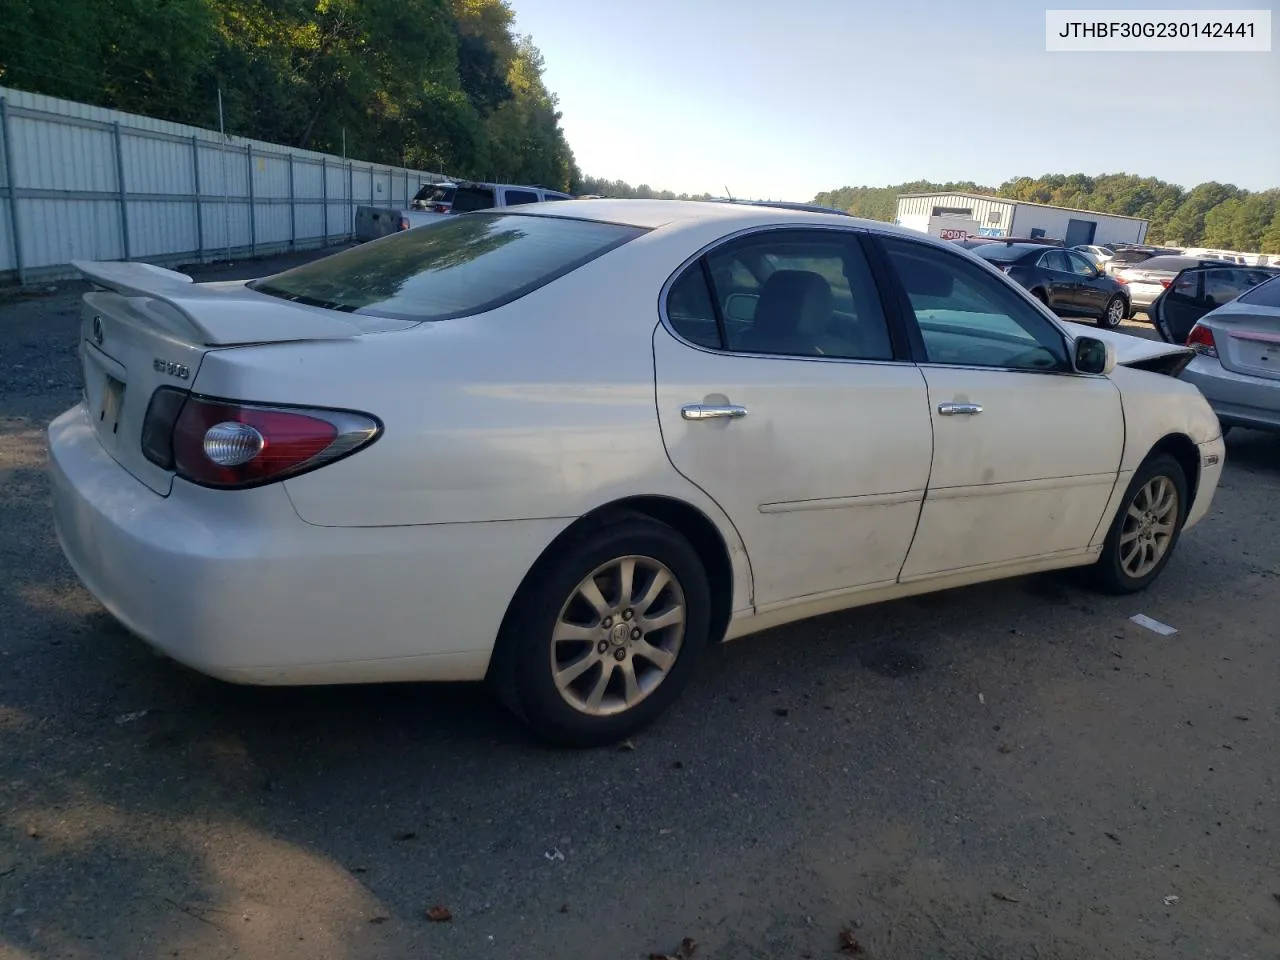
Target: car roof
[(659, 213)]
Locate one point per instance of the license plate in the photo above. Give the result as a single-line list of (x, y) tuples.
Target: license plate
[(112, 402)]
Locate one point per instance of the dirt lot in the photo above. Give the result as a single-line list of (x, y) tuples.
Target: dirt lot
[(1008, 771)]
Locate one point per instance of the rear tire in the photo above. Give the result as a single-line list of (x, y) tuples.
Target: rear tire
[(1114, 313), (1146, 528), (586, 662)]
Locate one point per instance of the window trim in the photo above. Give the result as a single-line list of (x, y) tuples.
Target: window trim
[(899, 333), (920, 354)]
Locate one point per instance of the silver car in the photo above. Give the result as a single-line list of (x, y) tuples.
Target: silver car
[(1147, 280), (1237, 364)]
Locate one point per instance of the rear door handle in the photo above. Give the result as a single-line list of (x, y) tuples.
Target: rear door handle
[(959, 409), (712, 411)]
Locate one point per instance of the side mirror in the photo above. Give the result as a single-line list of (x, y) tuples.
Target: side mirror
[(1094, 356)]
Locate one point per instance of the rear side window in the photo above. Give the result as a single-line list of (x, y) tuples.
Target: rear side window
[(786, 293), (1264, 294), (517, 197), (460, 266), (466, 199)]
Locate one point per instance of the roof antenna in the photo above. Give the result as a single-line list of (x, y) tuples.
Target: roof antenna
[(728, 192)]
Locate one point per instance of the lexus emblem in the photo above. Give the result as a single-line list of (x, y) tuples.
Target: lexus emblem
[(97, 330)]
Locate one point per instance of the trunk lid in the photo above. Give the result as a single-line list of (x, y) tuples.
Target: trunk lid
[(1248, 339), (146, 327)]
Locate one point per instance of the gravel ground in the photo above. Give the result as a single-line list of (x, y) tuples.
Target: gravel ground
[(1007, 771)]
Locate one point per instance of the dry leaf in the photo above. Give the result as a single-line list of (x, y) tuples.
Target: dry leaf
[(626, 745), (1005, 748), (683, 952), (1005, 897), (1111, 836), (439, 914), (849, 943), (379, 919), (780, 711), (410, 835)]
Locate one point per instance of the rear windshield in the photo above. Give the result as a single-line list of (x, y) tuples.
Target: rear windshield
[(1132, 256), (1172, 264), (435, 194), (459, 266), (1003, 253), (1265, 294)]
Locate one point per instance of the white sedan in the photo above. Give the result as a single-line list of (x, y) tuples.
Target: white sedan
[(564, 447)]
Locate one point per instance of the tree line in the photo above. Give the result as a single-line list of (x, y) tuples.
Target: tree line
[(1217, 215), (448, 85), (443, 85)]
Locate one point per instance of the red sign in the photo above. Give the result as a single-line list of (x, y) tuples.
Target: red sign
[(954, 234)]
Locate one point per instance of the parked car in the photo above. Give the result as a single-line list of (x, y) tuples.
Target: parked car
[(1237, 366), (473, 451), (436, 200), (1198, 290), (1147, 280), (1063, 280), (1098, 253), (1128, 255)]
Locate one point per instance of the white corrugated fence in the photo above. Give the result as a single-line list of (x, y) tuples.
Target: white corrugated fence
[(79, 182)]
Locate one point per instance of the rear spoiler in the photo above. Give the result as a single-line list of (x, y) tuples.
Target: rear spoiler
[(214, 317)]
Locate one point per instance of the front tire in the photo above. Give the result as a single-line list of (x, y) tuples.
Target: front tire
[(603, 638), (1114, 313), (1146, 528)]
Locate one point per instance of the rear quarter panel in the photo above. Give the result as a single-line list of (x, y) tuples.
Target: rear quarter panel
[(543, 408)]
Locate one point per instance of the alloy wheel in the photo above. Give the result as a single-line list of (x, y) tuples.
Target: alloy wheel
[(1115, 312), (1149, 525), (618, 635)]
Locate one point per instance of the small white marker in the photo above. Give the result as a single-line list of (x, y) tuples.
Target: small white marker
[(1142, 620)]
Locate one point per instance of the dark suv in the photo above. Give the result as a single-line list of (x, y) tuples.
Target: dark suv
[(1064, 280)]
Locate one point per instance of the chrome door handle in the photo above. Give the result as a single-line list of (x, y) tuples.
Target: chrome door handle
[(712, 411), (959, 409)]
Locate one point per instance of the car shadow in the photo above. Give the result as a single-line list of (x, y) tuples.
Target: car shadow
[(1256, 451)]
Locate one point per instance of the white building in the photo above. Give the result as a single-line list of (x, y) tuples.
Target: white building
[(947, 214)]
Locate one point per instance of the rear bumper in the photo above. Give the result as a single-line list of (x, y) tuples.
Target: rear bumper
[(236, 585), (1238, 399)]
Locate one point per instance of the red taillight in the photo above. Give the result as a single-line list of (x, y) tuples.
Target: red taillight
[(220, 443), (441, 208), (1166, 283), (403, 224), (1200, 339), (1119, 279)]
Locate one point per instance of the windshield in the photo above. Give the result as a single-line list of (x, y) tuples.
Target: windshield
[(460, 266)]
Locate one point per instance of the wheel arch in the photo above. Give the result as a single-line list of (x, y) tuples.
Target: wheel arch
[(1183, 449), (687, 520)]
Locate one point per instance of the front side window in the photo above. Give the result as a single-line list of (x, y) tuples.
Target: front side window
[(1055, 260), (460, 266), (795, 293), (1080, 265), (968, 317), (1223, 286)]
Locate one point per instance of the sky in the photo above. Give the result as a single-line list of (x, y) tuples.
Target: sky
[(781, 100)]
